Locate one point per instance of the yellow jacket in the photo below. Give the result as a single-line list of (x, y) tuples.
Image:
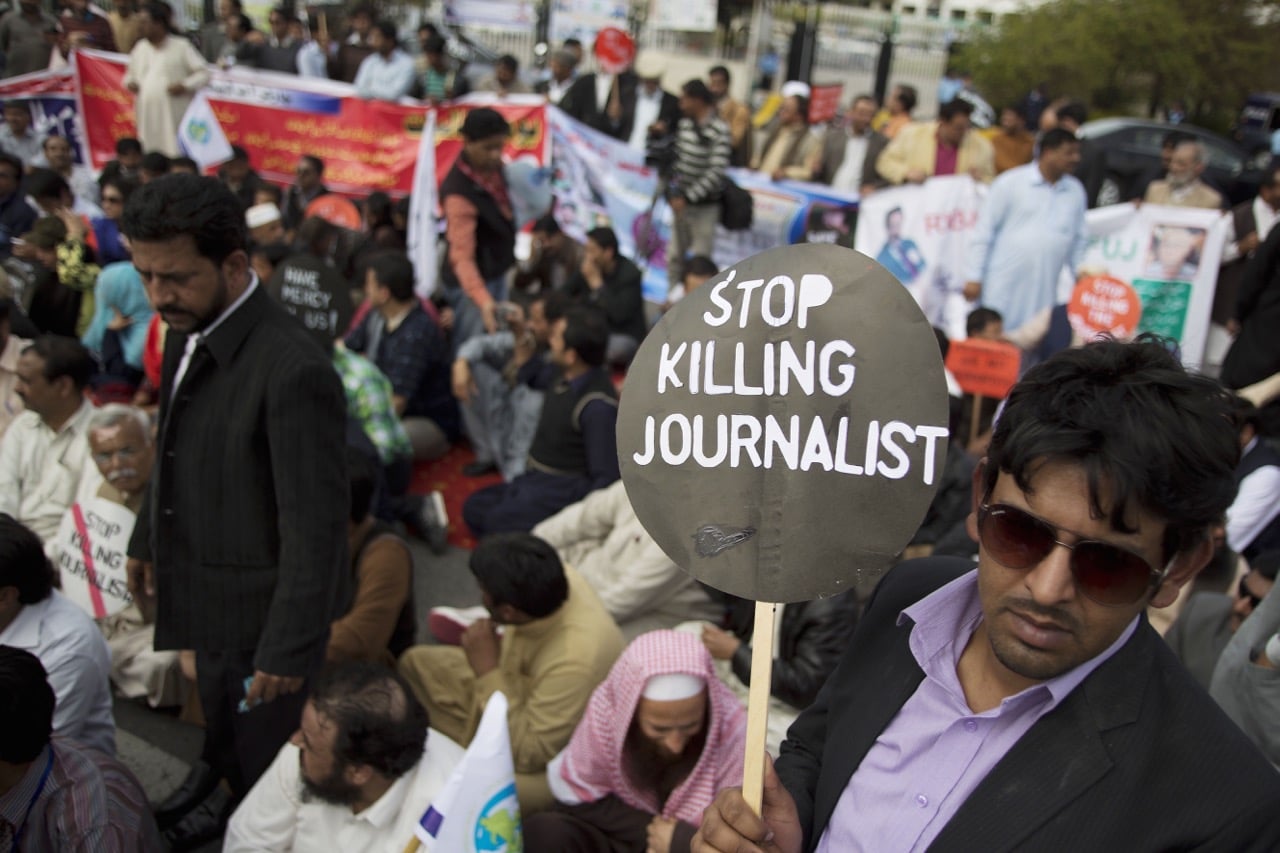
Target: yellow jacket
[(916, 148)]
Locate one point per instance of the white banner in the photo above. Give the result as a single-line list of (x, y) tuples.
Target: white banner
[(1170, 255), (423, 231), (493, 14), (695, 16), (92, 542), (582, 19), (478, 811)]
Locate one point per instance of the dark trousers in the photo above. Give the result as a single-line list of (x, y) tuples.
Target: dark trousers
[(607, 826), (241, 746), (519, 505)]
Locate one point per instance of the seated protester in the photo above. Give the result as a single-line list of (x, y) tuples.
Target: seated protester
[(267, 193), (123, 453), (811, 637), (106, 228), (46, 449), (556, 645), (380, 625), (791, 148), (554, 258), (239, 176), (118, 331), (612, 282), (50, 193), (155, 164), (128, 162), (499, 381), (17, 137), (11, 347), (54, 793), (574, 451), (16, 215), (660, 736), (504, 79), (357, 775), (1209, 619), (406, 344), (1253, 519), (59, 159), (442, 79), (386, 74), (640, 586), (62, 300), (36, 618)]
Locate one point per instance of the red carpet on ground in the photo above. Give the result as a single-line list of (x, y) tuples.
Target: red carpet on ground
[(445, 475)]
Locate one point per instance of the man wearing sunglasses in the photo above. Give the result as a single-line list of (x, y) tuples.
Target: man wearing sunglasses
[(1028, 704)]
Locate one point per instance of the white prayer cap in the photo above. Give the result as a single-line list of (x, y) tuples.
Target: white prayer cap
[(795, 87), (649, 67), (673, 687), (261, 214)]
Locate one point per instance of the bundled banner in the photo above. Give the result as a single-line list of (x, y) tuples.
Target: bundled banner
[(1169, 255), (478, 811), (598, 180), (366, 145)]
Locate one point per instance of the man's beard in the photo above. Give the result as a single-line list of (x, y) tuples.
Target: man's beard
[(332, 789), (651, 768)]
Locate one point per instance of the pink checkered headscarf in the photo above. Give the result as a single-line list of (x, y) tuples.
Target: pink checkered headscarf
[(592, 765)]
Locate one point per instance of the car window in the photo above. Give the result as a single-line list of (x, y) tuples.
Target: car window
[(1146, 139), (1221, 156)]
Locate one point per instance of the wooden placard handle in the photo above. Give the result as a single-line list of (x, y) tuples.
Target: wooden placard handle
[(758, 703)]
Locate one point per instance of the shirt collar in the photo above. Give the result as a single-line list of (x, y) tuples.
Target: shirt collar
[(24, 631), (944, 621), (231, 309), (388, 807)]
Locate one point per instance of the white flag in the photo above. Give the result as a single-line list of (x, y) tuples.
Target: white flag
[(478, 811), (423, 231), (201, 136)]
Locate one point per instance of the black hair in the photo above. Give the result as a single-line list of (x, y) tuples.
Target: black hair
[(1056, 138), (8, 159), (909, 97), (953, 108), (698, 90), (238, 153), (604, 238), (275, 252), (394, 271), (388, 29), (721, 70), (155, 163), (159, 11), (701, 265), (586, 332), (124, 186), (245, 22), (63, 356), (26, 706), (545, 224), (520, 570), (979, 319), (1270, 177), (271, 189), (184, 163), (1154, 436), (22, 562), (377, 209), (128, 145), (1073, 110), (1245, 413), (573, 42), (508, 61), (46, 183), (483, 123), (554, 303), (378, 720), (6, 306), (202, 208), (362, 474), (363, 9), (314, 161), (435, 44), (889, 214)]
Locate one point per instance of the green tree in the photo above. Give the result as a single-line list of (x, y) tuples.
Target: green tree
[(1134, 56)]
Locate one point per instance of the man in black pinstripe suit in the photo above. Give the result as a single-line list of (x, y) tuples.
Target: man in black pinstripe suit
[(245, 519)]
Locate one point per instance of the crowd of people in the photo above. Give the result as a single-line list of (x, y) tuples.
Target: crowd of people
[(152, 360)]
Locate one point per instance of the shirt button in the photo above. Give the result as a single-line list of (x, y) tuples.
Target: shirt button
[(922, 801), (970, 725)]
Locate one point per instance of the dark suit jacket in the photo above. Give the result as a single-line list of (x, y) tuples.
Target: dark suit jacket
[(246, 516), (1255, 353), (580, 103), (833, 146), (1137, 758)]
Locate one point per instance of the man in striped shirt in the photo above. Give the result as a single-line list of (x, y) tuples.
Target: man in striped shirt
[(56, 794), (703, 148)]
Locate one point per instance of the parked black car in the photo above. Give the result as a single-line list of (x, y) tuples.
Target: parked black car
[(1119, 155)]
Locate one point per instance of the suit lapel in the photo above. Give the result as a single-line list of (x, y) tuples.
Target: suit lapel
[(1060, 758)]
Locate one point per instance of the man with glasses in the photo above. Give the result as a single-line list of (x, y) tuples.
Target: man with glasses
[(1028, 704)]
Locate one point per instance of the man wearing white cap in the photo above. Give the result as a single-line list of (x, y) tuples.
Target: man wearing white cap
[(265, 223), (656, 110), (660, 735)]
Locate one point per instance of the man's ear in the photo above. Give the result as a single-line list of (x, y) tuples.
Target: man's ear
[(358, 774), (235, 267), (1185, 566), (978, 493)]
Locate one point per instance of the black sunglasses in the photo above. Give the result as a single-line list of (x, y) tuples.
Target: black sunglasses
[(1104, 573)]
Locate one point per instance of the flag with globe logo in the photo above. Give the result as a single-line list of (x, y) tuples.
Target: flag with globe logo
[(201, 136), (477, 812)]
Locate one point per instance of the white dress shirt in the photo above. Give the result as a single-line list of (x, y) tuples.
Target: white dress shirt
[(75, 655), (1264, 216), (40, 469), (647, 109), (274, 816), (1256, 505), (849, 176)]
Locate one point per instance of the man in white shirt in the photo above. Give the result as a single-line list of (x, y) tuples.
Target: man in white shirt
[(387, 73), (657, 110), (36, 618), (355, 776), (1253, 519), (45, 450)]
